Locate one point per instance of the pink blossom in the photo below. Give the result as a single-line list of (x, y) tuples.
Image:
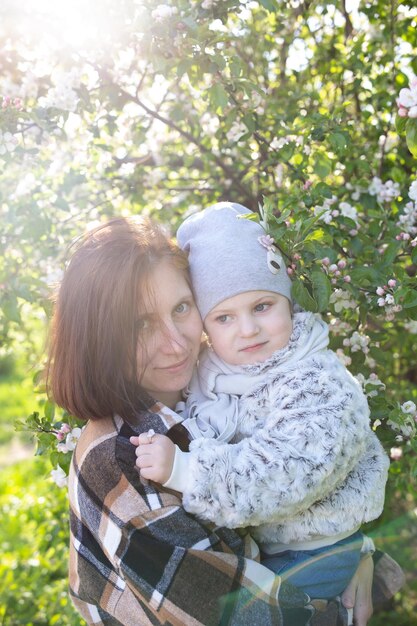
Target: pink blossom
[(59, 435), (307, 185), (290, 271), (326, 260), (353, 232), (412, 112), (65, 428), (347, 279), (332, 268), (380, 291), (391, 283), (402, 112), (342, 264), (266, 241)]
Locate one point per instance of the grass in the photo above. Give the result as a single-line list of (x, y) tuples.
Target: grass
[(17, 401), (33, 545)]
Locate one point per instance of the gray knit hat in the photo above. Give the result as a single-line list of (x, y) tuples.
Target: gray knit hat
[(229, 255)]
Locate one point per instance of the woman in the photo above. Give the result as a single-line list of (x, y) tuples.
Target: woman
[(126, 330)]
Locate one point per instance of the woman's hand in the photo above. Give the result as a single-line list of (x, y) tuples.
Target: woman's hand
[(358, 594), (155, 456)]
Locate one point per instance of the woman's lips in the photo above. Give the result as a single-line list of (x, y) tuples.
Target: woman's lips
[(176, 367)]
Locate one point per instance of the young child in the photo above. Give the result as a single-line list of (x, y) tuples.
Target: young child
[(282, 439)]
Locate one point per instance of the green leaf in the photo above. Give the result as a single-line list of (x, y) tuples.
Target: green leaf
[(400, 124), (322, 289), (411, 136), (249, 122), (218, 96), (269, 5), (184, 66), (49, 410), (322, 166), (390, 253), (301, 295), (10, 308), (323, 190), (410, 299), (338, 141)]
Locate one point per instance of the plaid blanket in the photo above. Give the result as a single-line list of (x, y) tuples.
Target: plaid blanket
[(137, 558)]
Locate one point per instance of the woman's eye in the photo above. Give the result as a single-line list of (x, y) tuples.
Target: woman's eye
[(222, 319), (184, 307), (143, 323)]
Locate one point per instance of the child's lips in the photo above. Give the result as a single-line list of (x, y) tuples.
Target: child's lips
[(253, 347)]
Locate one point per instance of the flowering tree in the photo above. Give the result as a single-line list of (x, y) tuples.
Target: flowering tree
[(305, 109)]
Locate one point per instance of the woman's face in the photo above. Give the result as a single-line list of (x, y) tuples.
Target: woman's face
[(170, 331)]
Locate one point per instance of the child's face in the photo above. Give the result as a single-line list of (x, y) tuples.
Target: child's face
[(250, 327)]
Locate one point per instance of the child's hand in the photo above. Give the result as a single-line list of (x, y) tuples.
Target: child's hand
[(155, 456)]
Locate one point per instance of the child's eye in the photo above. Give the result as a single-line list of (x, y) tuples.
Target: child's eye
[(262, 306), (222, 318), (183, 307)]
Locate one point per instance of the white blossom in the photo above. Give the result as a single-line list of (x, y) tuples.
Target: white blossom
[(163, 12), (72, 438), (396, 454), (409, 407), (412, 192), (370, 384), (344, 358), (357, 342), (384, 192), (348, 211), (59, 476), (217, 26), (342, 299), (60, 97), (407, 221), (411, 326), (407, 98), (8, 142)]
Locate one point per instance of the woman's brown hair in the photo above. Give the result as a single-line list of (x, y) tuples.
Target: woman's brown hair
[(93, 337)]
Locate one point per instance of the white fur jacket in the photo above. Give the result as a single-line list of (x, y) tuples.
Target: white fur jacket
[(304, 462)]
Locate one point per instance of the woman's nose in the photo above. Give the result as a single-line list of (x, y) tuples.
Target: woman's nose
[(172, 339)]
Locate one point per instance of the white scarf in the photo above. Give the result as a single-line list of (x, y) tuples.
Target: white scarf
[(212, 399)]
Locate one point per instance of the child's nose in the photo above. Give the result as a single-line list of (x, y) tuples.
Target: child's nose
[(248, 326)]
